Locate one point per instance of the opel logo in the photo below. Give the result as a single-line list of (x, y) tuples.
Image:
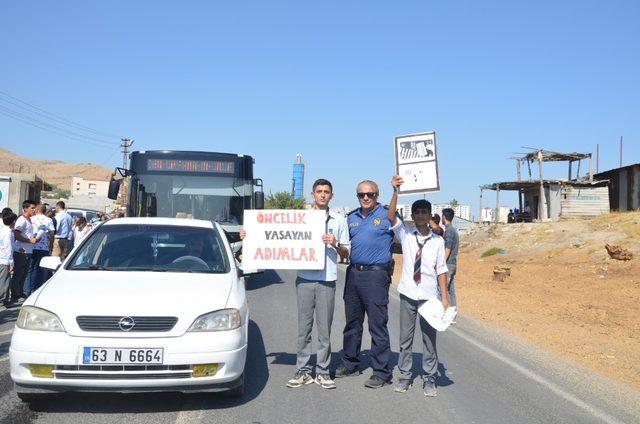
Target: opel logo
[(126, 323)]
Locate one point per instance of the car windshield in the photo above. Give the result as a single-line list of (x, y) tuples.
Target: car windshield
[(159, 248)]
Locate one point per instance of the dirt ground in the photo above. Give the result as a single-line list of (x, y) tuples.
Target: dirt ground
[(565, 293)]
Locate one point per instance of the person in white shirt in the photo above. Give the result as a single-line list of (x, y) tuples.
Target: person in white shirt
[(315, 291), (424, 276), (43, 230), (80, 230), (22, 249), (6, 251)]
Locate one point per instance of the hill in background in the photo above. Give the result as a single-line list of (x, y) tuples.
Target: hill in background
[(56, 173)]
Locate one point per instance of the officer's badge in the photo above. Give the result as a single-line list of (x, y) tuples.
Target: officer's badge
[(376, 222), (353, 224)]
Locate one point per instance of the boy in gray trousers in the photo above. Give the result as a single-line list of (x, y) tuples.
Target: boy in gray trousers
[(423, 271)]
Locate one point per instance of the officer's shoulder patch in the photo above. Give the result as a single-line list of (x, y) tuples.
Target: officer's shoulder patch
[(349, 213)]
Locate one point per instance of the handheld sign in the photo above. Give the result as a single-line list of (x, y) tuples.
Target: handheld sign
[(284, 239), (417, 163)]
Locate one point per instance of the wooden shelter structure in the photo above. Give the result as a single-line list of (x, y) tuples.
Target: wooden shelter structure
[(553, 198)]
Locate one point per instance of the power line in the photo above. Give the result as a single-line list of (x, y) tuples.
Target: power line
[(41, 124), (54, 131), (54, 117)]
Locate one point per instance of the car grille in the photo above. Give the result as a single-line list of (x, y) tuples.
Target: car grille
[(111, 323), (121, 372)]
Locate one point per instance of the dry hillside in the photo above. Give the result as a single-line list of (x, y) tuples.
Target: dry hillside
[(54, 172), (565, 293)]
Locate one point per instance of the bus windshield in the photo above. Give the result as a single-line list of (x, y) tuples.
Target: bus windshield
[(217, 198)]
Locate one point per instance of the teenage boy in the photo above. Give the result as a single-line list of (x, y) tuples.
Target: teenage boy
[(316, 290), (6, 251), (423, 271), (22, 249)]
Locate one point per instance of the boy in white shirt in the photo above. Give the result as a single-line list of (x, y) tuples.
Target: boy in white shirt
[(424, 271), (6, 251)]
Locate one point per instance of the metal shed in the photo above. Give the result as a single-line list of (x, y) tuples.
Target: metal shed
[(624, 187)]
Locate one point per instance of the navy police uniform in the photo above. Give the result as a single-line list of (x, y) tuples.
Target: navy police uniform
[(367, 289)]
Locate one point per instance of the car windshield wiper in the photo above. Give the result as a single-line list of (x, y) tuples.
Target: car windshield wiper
[(139, 268), (92, 268)]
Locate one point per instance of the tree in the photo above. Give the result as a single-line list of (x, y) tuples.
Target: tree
[(283, 200), (453, 203)]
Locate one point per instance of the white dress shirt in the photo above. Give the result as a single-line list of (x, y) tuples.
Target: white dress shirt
[(432, 262)]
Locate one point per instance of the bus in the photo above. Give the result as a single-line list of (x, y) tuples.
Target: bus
[(184, 184)]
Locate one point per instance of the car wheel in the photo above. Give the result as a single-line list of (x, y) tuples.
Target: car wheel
[(238, 390)]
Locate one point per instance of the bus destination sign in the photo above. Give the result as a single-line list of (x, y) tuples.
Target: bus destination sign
[(182, 165)]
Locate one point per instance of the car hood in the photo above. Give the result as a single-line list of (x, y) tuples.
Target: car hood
[(133, 293)]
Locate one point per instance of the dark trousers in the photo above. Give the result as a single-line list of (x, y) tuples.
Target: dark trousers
[(367, 292), (20, 268), (35, 275)]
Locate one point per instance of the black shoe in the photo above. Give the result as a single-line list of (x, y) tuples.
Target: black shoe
[(375, 382), (342, 371)]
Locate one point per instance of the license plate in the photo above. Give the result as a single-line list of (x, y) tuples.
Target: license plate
[(122, 356)]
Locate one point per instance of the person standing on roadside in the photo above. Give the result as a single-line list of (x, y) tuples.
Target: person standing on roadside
[(451, 243), (316, 291), (6, 251), (424, 271), (367, 287), (44, 231), (64, 225), (22, 249), (80, 230)]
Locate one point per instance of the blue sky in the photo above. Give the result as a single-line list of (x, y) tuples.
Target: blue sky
[(334, 81)]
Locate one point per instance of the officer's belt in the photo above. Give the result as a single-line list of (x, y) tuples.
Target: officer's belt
[(359, 267)]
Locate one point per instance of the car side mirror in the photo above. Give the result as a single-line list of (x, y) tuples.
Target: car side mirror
[(50, 262), (236, 246)]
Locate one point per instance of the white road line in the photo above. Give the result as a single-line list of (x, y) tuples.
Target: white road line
[(596, 412), (6, 332)]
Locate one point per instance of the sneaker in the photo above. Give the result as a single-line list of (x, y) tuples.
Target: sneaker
[(300, 378), (402, 386), (375, 382), (429, 386), (342, 371), (325, 381)]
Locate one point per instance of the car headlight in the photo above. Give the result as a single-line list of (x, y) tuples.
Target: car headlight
[(225, 319), (32, 318)]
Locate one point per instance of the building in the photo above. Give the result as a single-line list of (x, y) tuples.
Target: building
[(462, 211), (489, 214), (624, 187), (550, 199), (297, 190), (89, 188), (15, 188)]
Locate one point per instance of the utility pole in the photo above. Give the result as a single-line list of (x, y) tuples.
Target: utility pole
[(620, 151), (126, 143)]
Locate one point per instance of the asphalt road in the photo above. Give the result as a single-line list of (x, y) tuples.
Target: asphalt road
[(486, 377)]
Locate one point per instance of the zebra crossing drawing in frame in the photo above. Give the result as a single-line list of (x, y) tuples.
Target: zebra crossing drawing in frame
[(417, 163)]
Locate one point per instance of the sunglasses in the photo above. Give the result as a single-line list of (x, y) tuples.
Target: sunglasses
[(367, 194)]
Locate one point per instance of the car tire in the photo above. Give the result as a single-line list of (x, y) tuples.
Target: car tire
[(238, 390)]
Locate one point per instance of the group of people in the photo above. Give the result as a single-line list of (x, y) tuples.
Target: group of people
[(365, 237), (39, 231)]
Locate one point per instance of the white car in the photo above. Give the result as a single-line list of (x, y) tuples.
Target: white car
[(143, 304)]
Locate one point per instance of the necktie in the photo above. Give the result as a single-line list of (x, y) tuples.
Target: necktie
[(418, 261)]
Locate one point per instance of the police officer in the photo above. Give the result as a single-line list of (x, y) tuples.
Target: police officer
[(367, 287)]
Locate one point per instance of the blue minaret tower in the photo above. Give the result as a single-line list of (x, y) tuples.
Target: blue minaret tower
[(298, 177)]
